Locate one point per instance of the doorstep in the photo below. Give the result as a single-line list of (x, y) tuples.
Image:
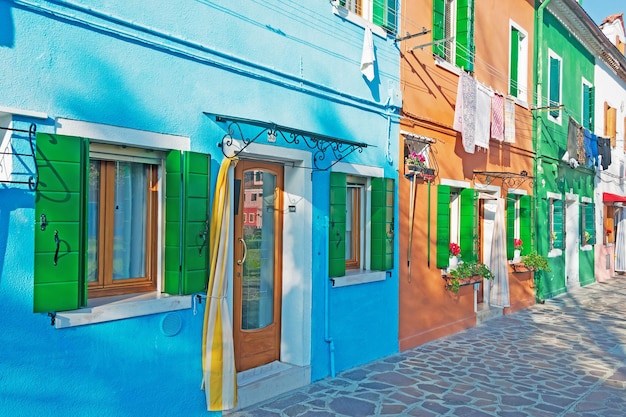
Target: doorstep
[(486, 312), (268, 381)]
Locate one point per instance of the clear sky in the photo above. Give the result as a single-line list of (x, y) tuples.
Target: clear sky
[(599, 9)]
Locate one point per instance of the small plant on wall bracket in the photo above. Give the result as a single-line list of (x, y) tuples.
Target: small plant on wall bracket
[(535, 262), (416, 159)]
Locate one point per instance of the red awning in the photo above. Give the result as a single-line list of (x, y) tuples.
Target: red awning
[(612, 198)]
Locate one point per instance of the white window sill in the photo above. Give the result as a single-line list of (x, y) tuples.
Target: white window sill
[(358, 20), (586, 248), (554, 253), (440, 62), (359, 277), (106, 309), (521, 102)]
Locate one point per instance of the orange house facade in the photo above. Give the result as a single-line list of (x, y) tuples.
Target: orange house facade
[(466, 183)]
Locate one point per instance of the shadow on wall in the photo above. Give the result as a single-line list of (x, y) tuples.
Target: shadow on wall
[(10, 199), (7, 32)]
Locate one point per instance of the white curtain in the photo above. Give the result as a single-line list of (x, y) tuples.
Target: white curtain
[(497, 262), (620, 240), (130, 220)]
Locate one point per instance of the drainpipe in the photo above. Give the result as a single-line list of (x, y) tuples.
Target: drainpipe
[(327, 338), (539, 92)]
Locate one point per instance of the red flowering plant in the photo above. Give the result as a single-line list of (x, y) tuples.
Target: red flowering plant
[(455, 249), (517, 244), (609, 231), (417, 159)]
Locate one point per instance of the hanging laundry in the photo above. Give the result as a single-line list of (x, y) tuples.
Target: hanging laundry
[(483, 116), (591, 149), (458, 107), (367, 56), (509, 120), (468, 131), (572, 139), (497, 117), (580, 136), (604, 152)]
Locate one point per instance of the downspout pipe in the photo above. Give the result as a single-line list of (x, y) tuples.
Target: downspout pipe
[(536, 117), (327, 338)]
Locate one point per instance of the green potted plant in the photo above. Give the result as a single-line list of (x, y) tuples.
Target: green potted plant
[(533, 262), (467, 273)]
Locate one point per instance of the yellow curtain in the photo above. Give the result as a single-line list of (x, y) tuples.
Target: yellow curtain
[(218, 354)]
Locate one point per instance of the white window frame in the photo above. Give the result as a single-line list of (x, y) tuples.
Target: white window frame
[(552, 197), (522, 63), (553, 55), (138, 145)]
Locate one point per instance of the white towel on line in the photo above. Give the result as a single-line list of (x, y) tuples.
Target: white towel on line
[(367, 56)]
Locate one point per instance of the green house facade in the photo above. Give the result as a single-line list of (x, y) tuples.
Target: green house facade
[(566, 44)]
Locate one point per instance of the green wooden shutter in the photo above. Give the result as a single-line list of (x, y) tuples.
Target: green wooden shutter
[(514, 63), (555, 85), (586, 113), (592, 102), (61, 196), (557, 223), (525, 214), (468, 225), (589, 222), (465, 34), (173, 222), (443, 226), (510, 225), (384, 14), (382, 240), (186, 222), (196, 231), (337, 226), (438, 30)]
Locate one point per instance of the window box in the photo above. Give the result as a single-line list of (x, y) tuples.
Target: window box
[(466, 273)]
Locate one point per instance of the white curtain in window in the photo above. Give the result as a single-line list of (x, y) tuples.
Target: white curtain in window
[(620, 240), (498, 262), (129, 248)]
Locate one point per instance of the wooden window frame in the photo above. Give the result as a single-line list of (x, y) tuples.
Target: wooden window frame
[(610, 123), (106, 285), (357, 192)]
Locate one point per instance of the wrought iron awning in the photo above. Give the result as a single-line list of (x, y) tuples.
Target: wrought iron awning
[(416, 143), (33, 179), (321, 145), (507, 179)]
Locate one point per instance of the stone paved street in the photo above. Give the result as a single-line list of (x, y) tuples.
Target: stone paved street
[(566, 357)]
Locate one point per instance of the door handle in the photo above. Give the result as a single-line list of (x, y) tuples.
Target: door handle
[(245, 251)]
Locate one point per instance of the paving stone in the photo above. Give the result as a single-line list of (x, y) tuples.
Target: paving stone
[(352, 407)]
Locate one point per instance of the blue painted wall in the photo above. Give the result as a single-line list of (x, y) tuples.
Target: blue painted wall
[(158, 68)]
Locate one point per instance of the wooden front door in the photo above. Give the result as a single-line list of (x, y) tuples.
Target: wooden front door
[(257, 263)]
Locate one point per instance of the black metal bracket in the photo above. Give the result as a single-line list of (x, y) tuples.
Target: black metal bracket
[(53, 317), (325, 148), (507, 179), (412, 35), (33, 180)]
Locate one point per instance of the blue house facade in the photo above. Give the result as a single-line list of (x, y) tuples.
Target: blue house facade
[(115, 119)]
